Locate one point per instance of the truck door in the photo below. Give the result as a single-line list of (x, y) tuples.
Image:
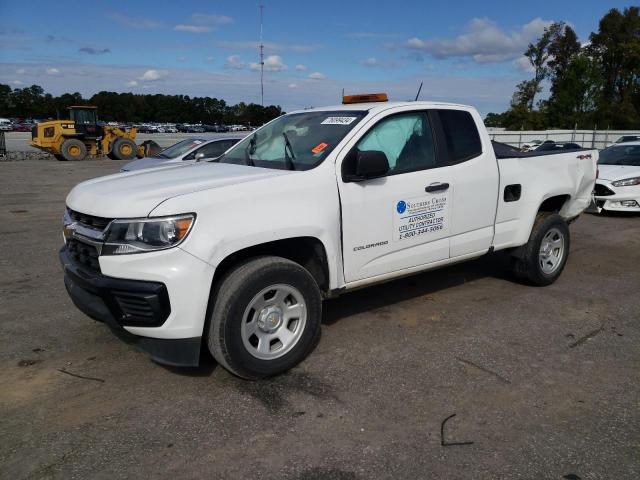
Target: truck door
[(403, 219), (474, 174)]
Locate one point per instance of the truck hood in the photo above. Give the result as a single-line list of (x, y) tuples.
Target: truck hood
[(618, 172), (137, 193)]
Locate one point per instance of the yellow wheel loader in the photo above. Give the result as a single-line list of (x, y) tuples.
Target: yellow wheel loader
[(80, 136)]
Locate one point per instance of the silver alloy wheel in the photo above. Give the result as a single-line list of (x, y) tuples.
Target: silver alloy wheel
[(273, 321), (551, 251)]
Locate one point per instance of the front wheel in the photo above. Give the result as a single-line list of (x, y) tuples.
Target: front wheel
[(543, 258), (266, 317)]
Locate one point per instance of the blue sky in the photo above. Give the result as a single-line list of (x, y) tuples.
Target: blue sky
[(464, 51)]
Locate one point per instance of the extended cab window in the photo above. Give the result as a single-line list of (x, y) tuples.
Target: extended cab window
[(406, 139), (460, 135)]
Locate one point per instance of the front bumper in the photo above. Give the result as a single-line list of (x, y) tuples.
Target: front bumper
[(617, 199), (126, 304)]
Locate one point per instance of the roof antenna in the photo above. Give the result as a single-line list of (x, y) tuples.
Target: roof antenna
[(261, 56), (419, 90)]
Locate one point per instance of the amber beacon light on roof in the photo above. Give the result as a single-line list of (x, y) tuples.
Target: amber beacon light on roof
[(364, 98)]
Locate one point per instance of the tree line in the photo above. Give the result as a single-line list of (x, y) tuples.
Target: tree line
[(592, 85), (33, 102)]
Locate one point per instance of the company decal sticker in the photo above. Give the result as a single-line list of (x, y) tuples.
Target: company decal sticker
[(319, 148), (419, 216), (338, 121)]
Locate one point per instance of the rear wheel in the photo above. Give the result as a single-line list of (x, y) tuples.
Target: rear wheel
[(266, 317), (73, 149), (124, 149), (59, 157), (544, 256)]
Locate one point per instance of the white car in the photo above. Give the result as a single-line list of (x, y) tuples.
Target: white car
[(190, 150), (618, 185), (237, 255)]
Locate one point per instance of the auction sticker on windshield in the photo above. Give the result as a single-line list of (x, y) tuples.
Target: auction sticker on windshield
[(419, 216), (338, 120)]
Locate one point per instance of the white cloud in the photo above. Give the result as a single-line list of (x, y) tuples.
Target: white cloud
[(192, 28), (273, 63), (152, 75), (293, 85), (317, 76), (21, 71), (17, 82), (235, 62), (52, 71), (301, 68), (132, 83), (522, 63), (203, 23), (487, 93), (370, 62), (483, 41), (137, 23)]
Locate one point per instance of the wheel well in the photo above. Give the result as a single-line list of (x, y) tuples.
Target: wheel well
[(553, 204), (308, 252)]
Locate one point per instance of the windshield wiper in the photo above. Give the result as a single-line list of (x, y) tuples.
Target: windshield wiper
[(288, 160), (250, 148)]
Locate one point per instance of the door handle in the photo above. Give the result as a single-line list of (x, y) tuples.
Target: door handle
[(436, 187)]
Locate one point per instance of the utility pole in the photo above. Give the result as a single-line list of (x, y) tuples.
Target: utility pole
[(261, 56)]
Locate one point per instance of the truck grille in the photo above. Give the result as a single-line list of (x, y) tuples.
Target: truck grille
[(96, 223), (83, 254), (602, 191)]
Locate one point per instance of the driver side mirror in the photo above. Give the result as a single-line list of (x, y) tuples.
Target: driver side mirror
[(199, 156), (365, 165)]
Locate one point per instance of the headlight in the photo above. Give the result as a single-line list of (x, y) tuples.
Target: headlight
[(627, 182), (146, 234)]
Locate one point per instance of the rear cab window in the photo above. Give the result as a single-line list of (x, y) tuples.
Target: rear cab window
[(460, 135)]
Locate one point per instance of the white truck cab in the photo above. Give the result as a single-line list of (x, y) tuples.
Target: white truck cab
[(238, 254)]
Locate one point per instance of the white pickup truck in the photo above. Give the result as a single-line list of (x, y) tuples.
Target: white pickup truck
[(237, 255)]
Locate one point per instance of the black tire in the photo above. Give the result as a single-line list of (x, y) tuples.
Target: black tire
[(60, 158), (73, 149), (111, 156), (528, 265), (124, 149), (233, 295)]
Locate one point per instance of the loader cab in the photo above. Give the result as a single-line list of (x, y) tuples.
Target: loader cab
[(85, 119)]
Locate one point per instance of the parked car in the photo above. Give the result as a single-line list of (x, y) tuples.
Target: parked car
[(5, 124), (190, 150), (618, 185), (550, 145), (628, 138), (237, 255), (532, 145), (22, 127)]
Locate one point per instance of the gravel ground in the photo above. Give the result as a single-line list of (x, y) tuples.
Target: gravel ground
[(544, 381)]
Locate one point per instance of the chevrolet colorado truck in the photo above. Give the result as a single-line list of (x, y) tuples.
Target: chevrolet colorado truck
[(237, 255)]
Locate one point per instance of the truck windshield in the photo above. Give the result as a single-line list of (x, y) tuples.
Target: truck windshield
[(620, 155), (298, 141), (180, 148)]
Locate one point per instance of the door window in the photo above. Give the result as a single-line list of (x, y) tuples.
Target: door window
[(406, 140), (212, 150)]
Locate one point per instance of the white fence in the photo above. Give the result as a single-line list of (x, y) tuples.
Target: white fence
[(586, 138)]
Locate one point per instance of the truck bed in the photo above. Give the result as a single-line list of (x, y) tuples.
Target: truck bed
[(566, 177)]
